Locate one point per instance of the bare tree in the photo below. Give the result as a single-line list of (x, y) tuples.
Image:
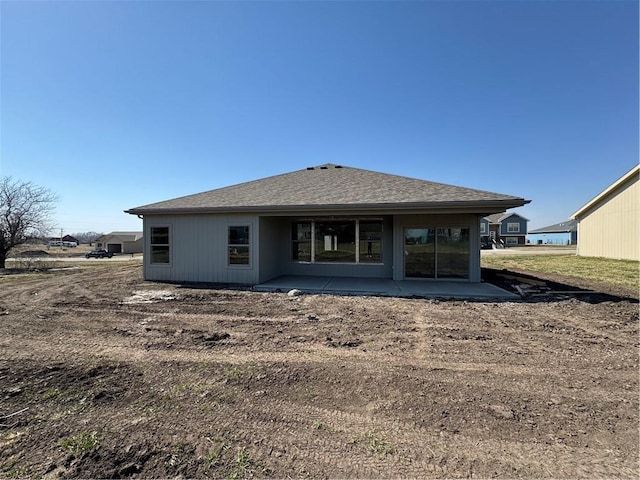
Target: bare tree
[(25, 213)]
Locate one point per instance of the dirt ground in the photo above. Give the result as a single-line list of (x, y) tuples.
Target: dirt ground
[(105, 375)]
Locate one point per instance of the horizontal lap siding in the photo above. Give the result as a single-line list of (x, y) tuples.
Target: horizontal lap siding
[(504, 232), (199, 249)]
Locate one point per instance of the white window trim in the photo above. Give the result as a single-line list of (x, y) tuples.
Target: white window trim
[(170, 245), (513, 224), (511, 240), (483, 228)]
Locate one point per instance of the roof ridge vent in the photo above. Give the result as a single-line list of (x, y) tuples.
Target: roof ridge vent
[(323, 167), (337, 166), (310, 168)]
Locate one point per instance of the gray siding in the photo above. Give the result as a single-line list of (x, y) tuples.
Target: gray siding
[(274, 238), (198, 244), (199, 249)]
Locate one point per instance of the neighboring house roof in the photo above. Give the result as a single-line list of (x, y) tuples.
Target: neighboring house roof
[(500, 217), (69, 238), (122, 236), (333, 187), (562, 227), (607, 193)]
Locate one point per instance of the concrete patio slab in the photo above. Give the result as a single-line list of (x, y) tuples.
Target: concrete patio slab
[(385, 287)]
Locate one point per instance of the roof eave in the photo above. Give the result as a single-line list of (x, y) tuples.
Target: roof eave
[(605, 193), (495, 206)]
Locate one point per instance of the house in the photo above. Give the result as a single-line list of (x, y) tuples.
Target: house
[(66, 241), (121, 242), (563, 233), (327, 220), (609, 224), (503, 229)]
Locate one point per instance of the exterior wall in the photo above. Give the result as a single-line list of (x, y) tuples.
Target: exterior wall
[(557, 238), (522, 224), (403, 221), (133, 247), (485, 232), (199, 249), (511, 240), (124, 247), (611, 228), (275, 235)]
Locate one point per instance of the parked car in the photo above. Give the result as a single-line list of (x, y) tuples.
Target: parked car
[(100, 253)]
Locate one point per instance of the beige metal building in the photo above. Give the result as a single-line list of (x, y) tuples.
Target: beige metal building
[(609, 225)]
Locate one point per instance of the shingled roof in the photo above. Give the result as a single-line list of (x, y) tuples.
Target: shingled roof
[(332, 187), (562, 227)]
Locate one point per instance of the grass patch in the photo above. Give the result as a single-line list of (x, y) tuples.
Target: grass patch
[(375, 444), (82, 443), (239, 371), (221, 462), (620, 273)]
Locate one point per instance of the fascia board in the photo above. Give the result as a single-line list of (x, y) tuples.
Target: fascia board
[(495, 206), (613, 187)]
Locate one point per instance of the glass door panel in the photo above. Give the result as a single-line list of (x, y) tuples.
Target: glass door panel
[(453, 253), (419, 253)]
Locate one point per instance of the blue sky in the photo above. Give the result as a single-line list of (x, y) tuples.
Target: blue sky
[(114, 105)]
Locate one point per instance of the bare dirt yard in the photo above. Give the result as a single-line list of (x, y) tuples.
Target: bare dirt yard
[(105, 375)]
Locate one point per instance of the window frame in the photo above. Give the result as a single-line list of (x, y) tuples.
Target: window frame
[(168, 245), (511, 241), (513, 227), (313, 240), (242, 245), (483, 228)]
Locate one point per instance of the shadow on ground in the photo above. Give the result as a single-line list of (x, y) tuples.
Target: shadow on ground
[(533, 288)]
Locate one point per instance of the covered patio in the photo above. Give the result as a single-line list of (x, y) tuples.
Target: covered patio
[(385, 287)]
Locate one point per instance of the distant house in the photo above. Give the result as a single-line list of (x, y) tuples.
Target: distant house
[(503, 229), (323, 221), (609, 225), (563, 233), (121, 242), (66, 241)]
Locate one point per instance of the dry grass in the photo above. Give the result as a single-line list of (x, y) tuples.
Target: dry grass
[(621, 273)]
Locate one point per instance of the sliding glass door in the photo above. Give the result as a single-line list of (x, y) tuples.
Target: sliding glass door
[(441, 252), (419, 253)]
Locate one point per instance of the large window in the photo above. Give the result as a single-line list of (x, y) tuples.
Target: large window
[(370, 242), (239, 245), (301, 241), (337, 241), (483, 228), (160, 247), (513, 227)]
